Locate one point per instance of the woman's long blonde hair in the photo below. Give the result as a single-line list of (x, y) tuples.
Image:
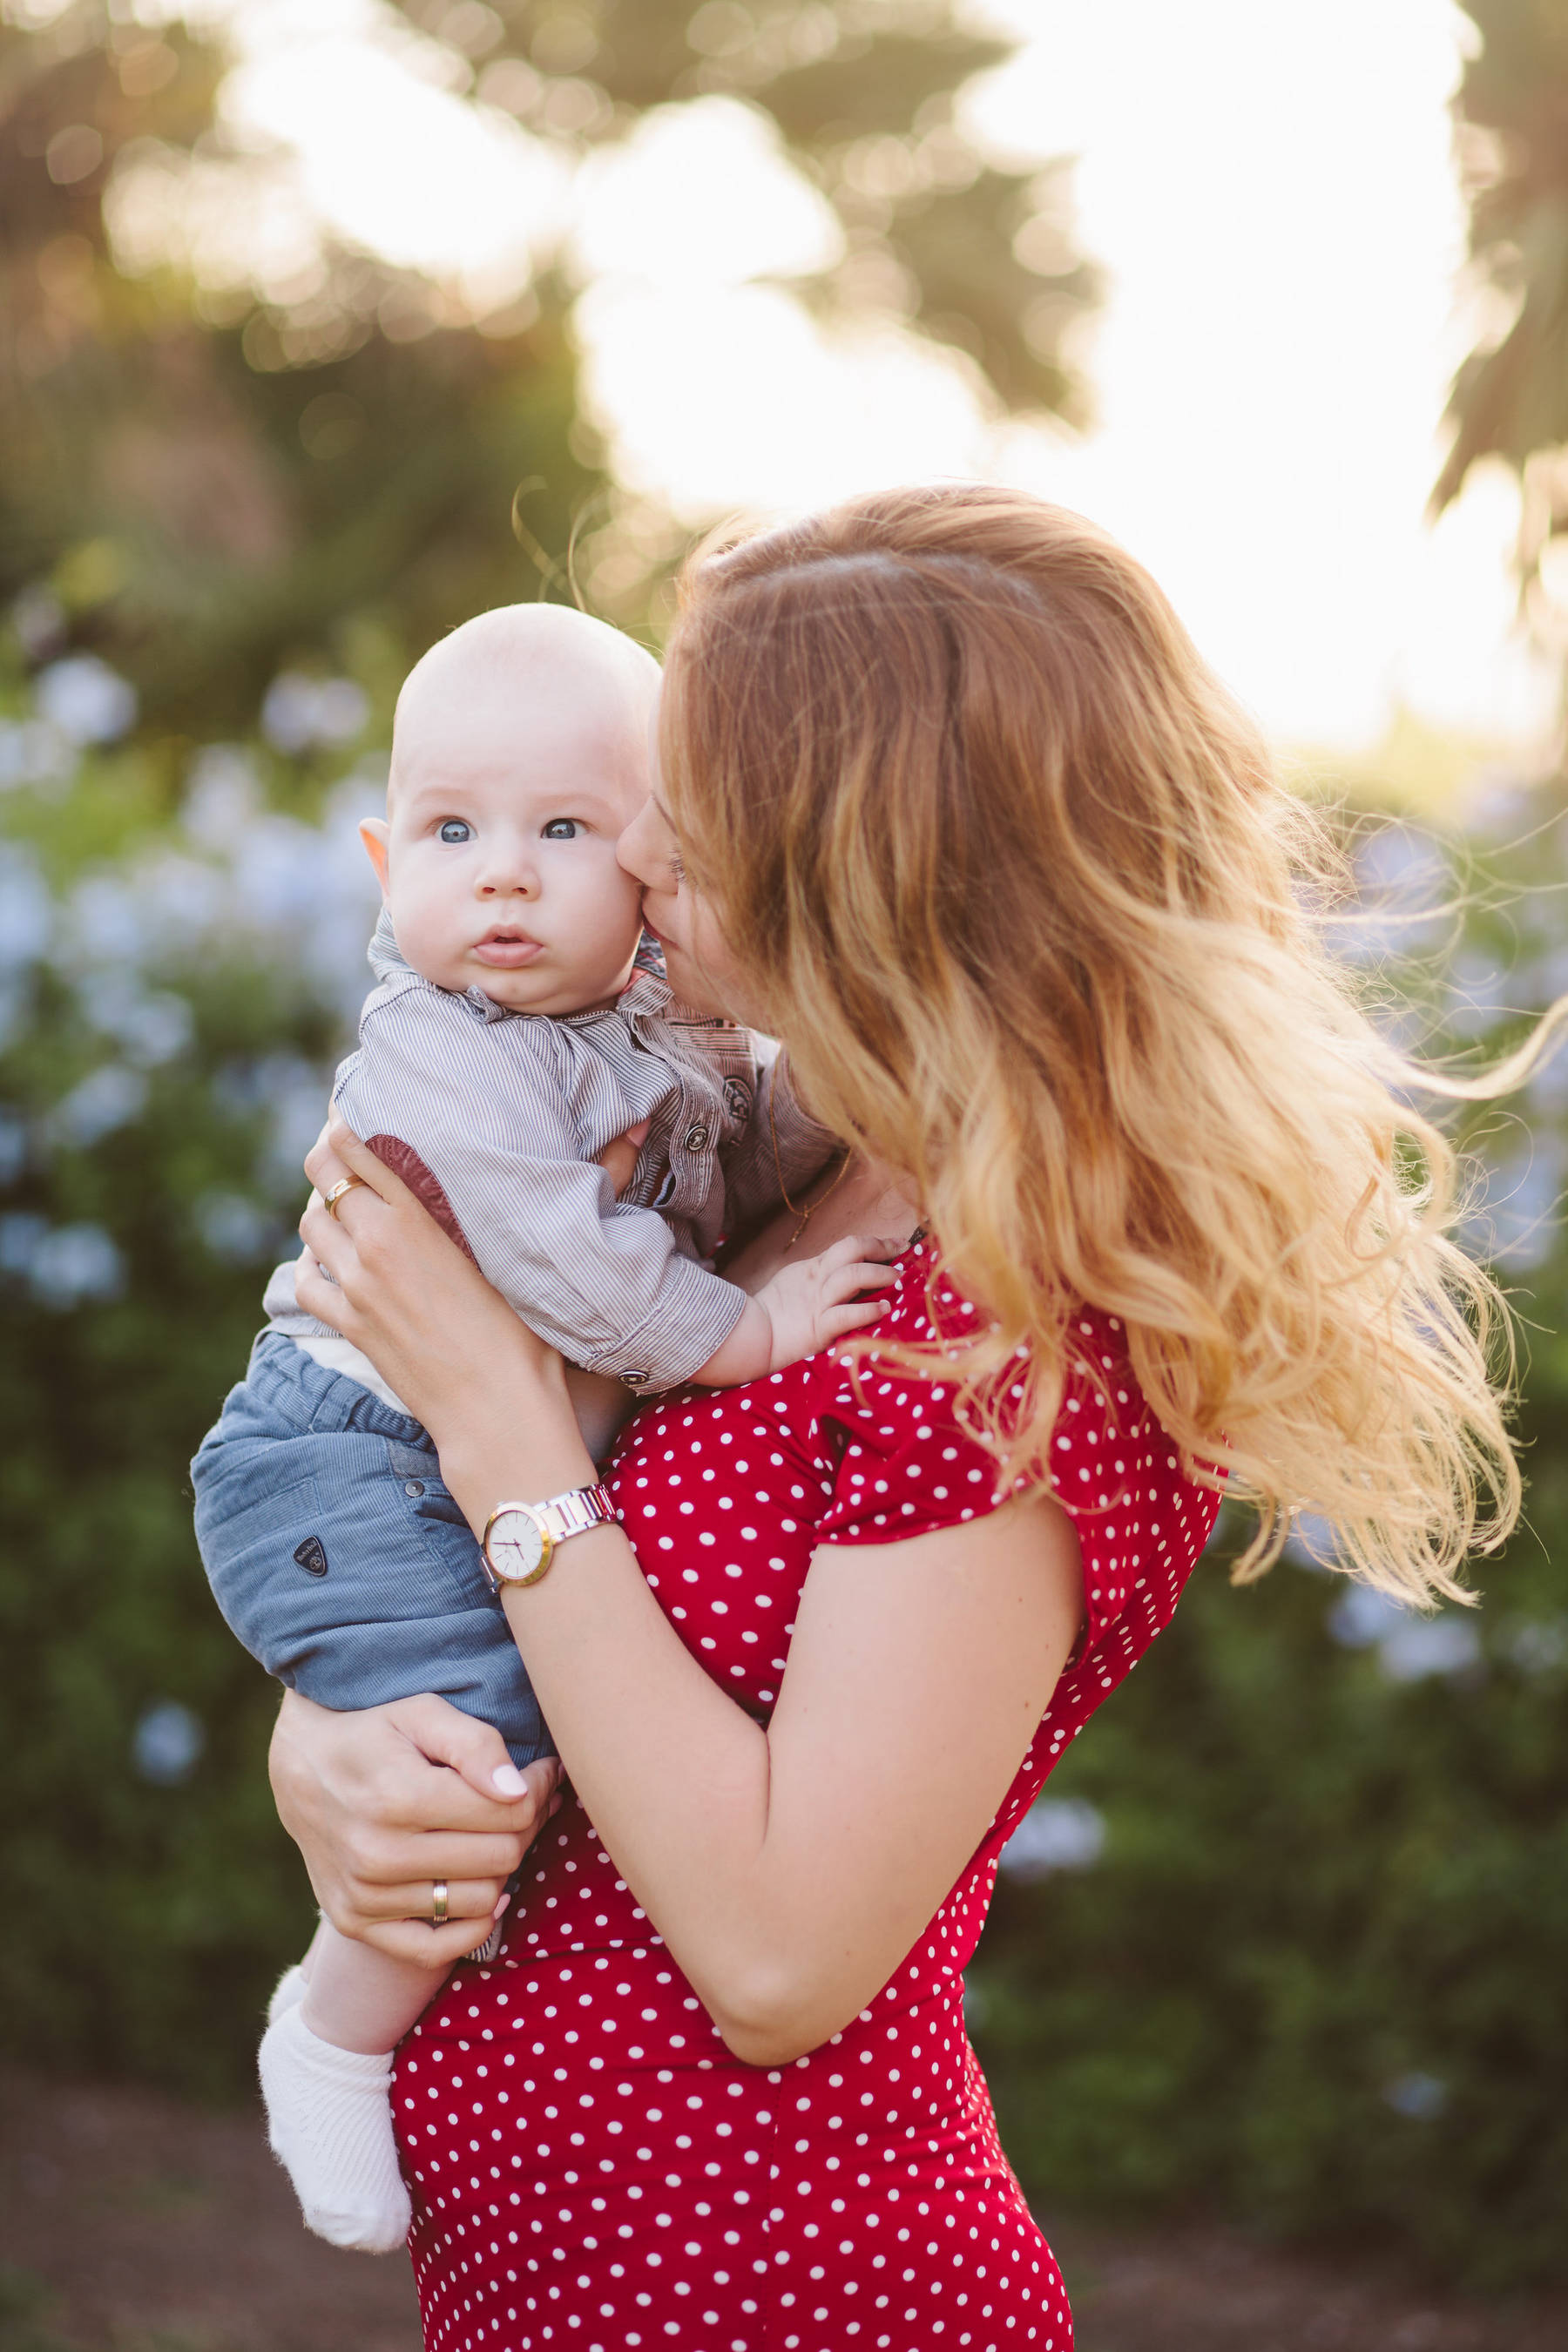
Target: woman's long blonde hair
[(1015, 879)]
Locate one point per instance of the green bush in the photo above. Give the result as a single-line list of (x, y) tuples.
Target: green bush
[(247, 506), (1314, 1980), (168, 1053)]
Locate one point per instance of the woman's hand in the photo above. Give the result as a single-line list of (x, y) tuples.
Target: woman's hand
[(383, 1273), (618, 1159), (383, 1803)]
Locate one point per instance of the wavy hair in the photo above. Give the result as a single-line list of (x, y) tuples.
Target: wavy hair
[(1015, 877)]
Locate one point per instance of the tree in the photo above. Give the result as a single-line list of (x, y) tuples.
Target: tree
[(231, 496), (1509, 399), (197, 498), (212, 482)]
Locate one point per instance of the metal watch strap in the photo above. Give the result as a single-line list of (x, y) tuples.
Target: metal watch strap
[(573, 1514)]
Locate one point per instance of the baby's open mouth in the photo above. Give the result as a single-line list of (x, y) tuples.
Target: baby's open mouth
[(505, 947)]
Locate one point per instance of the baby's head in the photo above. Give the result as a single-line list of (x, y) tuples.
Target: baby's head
[(519, 751)]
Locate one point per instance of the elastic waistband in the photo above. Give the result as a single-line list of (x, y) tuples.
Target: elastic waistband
[(310, 1396)]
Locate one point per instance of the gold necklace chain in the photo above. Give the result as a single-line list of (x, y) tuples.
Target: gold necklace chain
[(805, 1215)]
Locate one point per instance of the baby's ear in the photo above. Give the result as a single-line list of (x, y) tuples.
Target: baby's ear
[(375, 833)]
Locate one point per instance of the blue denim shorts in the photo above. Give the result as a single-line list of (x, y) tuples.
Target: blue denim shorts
[(339, 1556)]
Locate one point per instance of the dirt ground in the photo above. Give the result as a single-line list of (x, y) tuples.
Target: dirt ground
[(132, 2223)]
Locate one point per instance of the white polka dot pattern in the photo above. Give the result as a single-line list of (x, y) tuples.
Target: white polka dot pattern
[(589, 2166)]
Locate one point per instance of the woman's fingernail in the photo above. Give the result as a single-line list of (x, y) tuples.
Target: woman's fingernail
[(509, 1780), (500, 1906)]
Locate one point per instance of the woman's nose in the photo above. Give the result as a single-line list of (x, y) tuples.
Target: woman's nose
[(638, 848)]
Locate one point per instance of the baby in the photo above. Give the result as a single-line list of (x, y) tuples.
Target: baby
[(520, 1027)]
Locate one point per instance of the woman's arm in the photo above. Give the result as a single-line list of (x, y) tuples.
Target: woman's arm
[(789, 1869)]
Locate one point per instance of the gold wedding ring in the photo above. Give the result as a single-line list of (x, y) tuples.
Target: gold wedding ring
[(344, 1184), (437, 1885)]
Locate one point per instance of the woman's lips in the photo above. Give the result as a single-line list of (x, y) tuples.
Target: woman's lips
[(508, 953)]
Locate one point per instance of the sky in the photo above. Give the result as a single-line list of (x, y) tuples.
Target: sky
[(1268, 190), (1271, 188)]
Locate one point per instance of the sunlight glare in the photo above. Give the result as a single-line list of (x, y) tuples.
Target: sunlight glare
[(398, 165), (1270, 195)]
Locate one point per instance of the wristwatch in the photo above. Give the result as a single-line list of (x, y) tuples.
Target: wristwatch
[(520, 1539)]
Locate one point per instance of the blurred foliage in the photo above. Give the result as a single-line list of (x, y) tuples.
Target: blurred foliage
[(153, 1061), (27, 2306), (977, 255), (213, 480), (178, 497), (233, 508), (1314, 1979), (1510, 398)]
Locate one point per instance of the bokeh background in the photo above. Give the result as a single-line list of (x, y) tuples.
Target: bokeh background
[(327, 323)]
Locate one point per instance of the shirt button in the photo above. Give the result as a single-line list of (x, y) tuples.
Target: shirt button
[(414, 1486), (697, 1139)]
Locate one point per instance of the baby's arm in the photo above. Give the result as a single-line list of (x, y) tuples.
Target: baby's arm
[(802, 1309), (485, 1137), (483, 1131)]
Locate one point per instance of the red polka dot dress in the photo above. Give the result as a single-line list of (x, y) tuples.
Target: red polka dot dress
[(590, 2167)]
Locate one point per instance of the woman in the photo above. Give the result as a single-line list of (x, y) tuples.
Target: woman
[(950, 804)]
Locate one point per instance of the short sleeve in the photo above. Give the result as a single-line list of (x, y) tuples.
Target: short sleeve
[(907, 1465)]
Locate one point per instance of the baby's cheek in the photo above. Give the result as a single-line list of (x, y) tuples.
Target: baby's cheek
[(428, 921), (606, 912)]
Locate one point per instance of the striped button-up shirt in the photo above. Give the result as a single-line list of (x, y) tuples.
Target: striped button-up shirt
[(495, 1117)]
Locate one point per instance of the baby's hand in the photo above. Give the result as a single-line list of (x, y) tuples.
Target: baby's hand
[(803, 1309), (811, 1305)]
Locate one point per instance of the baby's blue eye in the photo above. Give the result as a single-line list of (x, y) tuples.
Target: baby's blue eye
[(456, 829), (561, 828)]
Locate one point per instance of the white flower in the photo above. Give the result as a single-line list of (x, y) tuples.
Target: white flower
[(26, 911), (223, 797), (1421, 2098), (32, 751), (73, 1263), (86, 700), (1056, 1834), (1409, 1646), (105, 1099), (298, 712), (167, 1743), (234, 1228)]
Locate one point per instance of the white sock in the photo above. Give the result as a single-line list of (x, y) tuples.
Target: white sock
[(329, 2119), (290, 1988)]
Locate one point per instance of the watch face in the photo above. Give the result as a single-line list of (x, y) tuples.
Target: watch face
[(516, 1545)]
